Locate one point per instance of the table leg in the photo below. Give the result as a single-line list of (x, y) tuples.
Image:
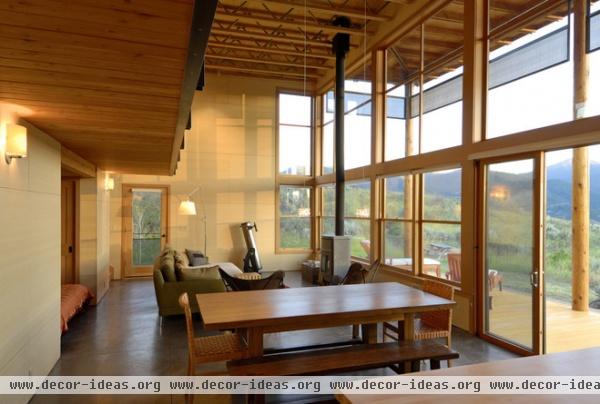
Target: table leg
[(254, 338), (369, 333), (409, 334)]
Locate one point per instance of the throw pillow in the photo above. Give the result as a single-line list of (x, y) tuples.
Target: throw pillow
[(198, 273), (196, 258), (180, 260), (167, 268)]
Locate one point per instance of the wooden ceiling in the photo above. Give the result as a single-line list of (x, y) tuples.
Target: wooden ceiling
[(102, 77)]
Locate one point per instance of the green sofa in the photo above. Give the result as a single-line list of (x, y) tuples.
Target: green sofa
[(173, 276)]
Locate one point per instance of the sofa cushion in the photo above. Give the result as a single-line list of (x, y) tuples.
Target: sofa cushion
[(198, 273), (167, 268), (196, 257), (181, 260)]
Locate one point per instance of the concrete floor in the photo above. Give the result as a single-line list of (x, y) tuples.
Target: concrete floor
[(123, 336)]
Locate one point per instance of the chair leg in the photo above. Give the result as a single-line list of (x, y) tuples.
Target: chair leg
[(449, 344)]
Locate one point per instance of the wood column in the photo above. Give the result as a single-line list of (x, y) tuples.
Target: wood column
[(581, 179), (408, 180), (378, 119)]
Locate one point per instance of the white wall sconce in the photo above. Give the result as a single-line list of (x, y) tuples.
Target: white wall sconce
[(109, 183), (16, 142)]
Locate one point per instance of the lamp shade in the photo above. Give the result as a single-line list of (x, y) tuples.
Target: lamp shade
[(16, 141), (187, 208)]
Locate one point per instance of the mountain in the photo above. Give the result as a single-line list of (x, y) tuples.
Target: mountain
[(558, 177)]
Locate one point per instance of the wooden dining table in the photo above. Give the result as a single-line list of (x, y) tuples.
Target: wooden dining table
[(585, 362), (255, 313)]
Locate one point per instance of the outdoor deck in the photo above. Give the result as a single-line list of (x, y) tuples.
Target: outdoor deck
[(565, 329)]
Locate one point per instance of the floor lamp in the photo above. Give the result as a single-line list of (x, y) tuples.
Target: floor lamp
[(188, 208)]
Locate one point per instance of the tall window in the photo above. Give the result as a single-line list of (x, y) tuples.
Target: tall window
[(295, 140), (357, 123), (294, 217), (424, 89), (440, 224), (530, 76), (357, 217), (398, 222)]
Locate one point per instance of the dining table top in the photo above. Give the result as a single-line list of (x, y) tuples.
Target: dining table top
[(318, 306), (585, 362)]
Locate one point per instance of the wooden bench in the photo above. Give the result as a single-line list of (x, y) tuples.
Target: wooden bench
[(346, 359)]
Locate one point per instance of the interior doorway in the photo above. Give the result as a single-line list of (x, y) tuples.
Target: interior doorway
[(145, 227), (68, 197)]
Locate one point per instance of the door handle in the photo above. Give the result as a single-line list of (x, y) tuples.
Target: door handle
[(534, 279), (70, 249), (163, 235)]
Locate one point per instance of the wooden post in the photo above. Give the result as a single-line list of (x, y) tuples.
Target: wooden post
[(378, 119), (408, 183), (581, 180)]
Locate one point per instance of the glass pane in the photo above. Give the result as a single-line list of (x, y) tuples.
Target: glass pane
[(295, 232), (294, 150), (442, 112), (328, 226), (531, 76), (328, 195), (294, 201), (509, 250), (398, 197), (357, 137), (593, 104), (146, 205), (295, 109), (442, 195), (360, 230), (357, 201), (398, 244), (441, 243), (295, 217), (328, 106), (395, 124), (328, 145)]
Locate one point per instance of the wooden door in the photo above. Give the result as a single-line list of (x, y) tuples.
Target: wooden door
[(68, 272), (144, 227)]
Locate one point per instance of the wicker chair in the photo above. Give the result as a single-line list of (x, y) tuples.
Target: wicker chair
[(432, 324), (372, 271), (273, 281), (215, 348)]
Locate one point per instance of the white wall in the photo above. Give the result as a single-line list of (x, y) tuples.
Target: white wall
[(94, 235), (230, 153), (30, 256)]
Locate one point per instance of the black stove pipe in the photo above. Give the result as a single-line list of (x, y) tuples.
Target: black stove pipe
[(341, 46)]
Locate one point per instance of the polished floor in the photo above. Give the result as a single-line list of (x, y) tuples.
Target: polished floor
[(123, 335)]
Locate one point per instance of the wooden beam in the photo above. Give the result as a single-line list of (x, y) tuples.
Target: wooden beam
[(328, 10), (526, 17), (202, 20), (263, 36), (76, 164), (282, 73), (276, 51), (269, 62), (581, 177), (283, 20)]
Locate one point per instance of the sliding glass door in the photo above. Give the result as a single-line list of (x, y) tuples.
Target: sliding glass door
[(510, 236)]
